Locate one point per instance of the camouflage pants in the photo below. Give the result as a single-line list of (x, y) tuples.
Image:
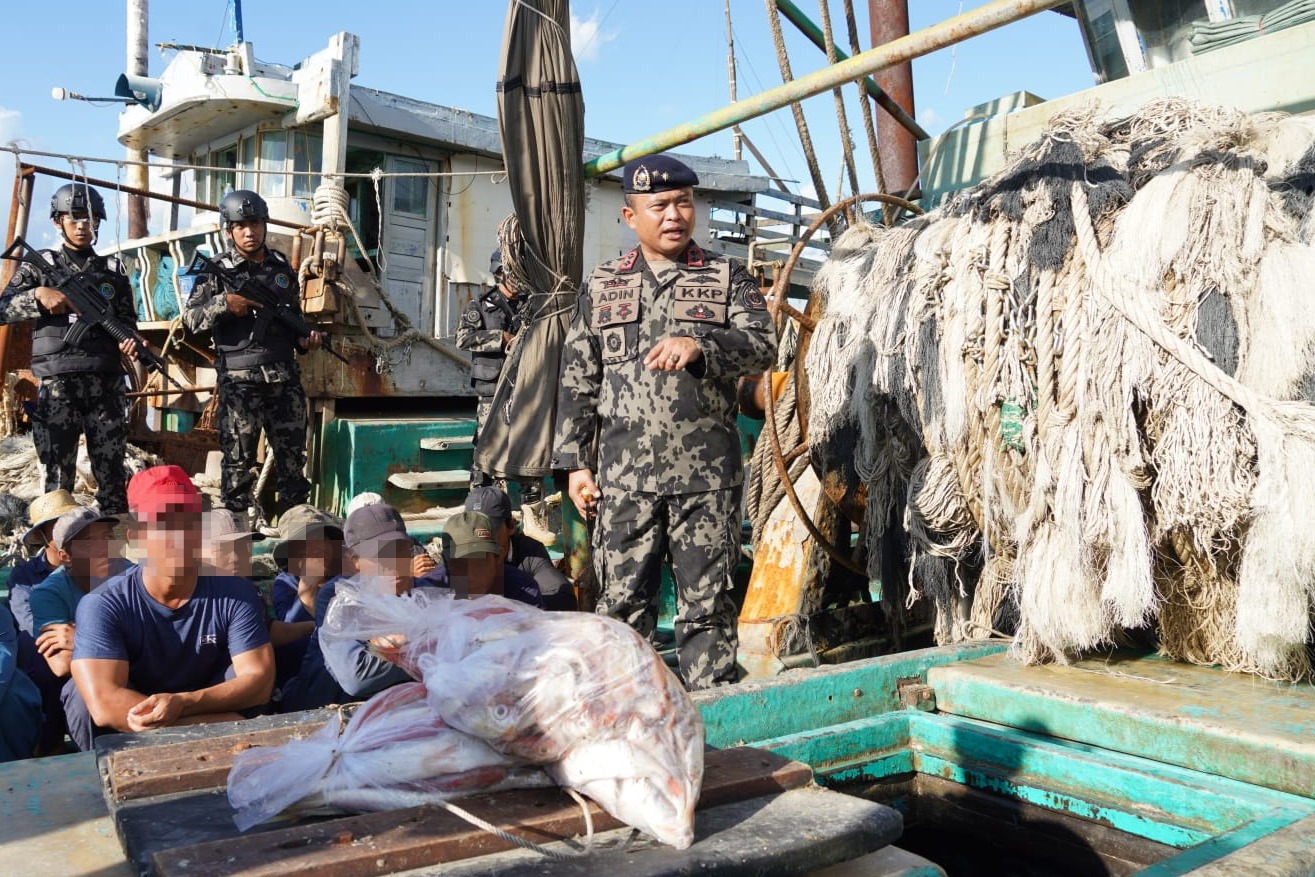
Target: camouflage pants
[(71, 405), (247, 407), (531, 488), (633, 535)]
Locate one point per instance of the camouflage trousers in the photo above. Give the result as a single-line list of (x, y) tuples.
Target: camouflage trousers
[(246, 408), (71, 405), (700, 532), (531, 489)]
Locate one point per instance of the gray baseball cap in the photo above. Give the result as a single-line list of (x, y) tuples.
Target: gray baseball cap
[(373, 525), (71, 525)]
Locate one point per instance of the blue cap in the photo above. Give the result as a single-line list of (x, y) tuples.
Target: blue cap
[(656, 173)]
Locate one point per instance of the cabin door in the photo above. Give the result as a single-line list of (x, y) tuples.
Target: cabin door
[(410, 233)]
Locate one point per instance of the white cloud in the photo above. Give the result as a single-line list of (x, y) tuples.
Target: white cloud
[(929, 118), (11, 124), (588, 37)]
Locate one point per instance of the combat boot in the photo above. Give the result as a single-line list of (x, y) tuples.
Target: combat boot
[(534, 523)]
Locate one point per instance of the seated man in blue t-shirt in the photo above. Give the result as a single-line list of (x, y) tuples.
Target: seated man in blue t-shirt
[(163, 644), (43, 512), (89, 555), (20, 702), (520, 551), (378, 553), (475, 565)]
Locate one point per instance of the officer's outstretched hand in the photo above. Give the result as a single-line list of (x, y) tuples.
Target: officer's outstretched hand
[(313, 341), (582, 490), (673, 354)]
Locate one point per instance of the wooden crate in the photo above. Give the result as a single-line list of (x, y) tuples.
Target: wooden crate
[(165, 792)]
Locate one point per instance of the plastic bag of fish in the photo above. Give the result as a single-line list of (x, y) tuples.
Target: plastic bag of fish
[(393, 752), (579, 696)]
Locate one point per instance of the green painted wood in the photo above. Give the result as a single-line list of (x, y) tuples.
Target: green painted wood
[(816, 698), (53, 819), (1266, 856), (855, 745), (1232, 725), (1202, 801), (1257, 849), (358, 454)]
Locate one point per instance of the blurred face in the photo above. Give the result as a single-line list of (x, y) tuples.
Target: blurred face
[(78, 228), (316, 558), (229, 557), (386, 566), (88, 556), (473, 576), (248, 236), (663, 222), (172, 545)]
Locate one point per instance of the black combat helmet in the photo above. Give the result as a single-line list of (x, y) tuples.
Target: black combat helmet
[(495, 261), (242, 205), (74, 198)]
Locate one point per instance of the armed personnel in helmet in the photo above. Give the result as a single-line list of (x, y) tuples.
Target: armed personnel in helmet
[(489, 327), (259, 383), (82, 372)]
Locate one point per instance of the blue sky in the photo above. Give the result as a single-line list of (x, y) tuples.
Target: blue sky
[(644, 67)]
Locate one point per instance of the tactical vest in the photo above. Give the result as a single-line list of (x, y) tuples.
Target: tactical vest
[(486, 366), (256, 339), (54, 352), (699, 296)]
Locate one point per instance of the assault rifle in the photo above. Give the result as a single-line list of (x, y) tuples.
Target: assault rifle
[(269, 305), (93, 309)]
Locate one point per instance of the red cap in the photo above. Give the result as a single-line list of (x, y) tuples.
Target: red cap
[(152, 492)]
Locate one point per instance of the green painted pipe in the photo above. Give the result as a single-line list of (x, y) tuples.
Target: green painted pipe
[(915, 45), (808, 28)]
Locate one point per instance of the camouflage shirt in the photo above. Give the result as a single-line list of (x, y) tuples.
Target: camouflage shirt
[(51, 354), (254, 347), (658, 431)]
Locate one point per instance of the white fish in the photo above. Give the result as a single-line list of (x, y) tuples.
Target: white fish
[(581, 694), (392, 750)]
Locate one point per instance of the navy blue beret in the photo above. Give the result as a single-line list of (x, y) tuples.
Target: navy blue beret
[(656, 173)]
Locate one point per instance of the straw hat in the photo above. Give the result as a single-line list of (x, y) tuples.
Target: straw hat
[(47, 508)]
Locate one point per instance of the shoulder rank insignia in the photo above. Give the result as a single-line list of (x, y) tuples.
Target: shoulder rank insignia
[(627, 262)]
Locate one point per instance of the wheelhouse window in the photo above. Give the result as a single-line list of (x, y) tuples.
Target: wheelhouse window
[(410, 194), (273, 157)]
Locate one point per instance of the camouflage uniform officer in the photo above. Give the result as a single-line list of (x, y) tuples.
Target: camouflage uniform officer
[(647, 400), (488, 325), (259, 382), (82, 387)]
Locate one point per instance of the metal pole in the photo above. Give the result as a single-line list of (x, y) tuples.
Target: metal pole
[(145, 193), (19, 211), (915, 45), (889, 20), (730, 71), (808, 28), (138, 16)]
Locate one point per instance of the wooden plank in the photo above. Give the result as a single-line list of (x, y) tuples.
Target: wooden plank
[(434, 480), (181, 767), (793, 833), (382, 843), (446, 443)]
